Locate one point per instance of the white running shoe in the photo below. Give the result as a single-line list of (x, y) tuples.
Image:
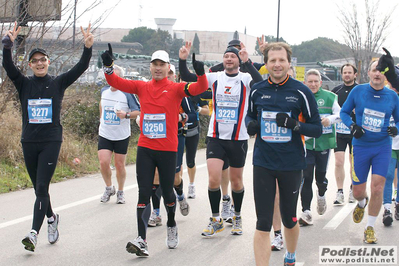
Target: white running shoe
[(321, 204), (107, 194), (184, 207), (138, 247), (120, 197), (30, 241), (339, 199), (191, 191), (278, 243), (306, 218), (155, 220), (226, 212), (52, 230), (172, 239)]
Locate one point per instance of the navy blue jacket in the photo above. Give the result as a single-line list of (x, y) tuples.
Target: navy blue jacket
[(289, 96)]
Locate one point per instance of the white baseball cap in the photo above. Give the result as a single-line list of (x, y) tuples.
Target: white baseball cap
[(173, 68), (161, 55)]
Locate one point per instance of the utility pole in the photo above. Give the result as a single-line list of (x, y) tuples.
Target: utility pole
[(74, 24), (278, 21)]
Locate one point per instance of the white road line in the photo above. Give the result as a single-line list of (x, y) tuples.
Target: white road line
[(339, 217), (64, 207), (76, 203)]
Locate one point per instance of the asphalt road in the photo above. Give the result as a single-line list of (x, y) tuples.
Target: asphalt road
[(93, 233)]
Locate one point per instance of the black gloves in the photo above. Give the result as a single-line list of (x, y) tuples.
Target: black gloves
[(357, 131), (7, 43), (198, 66), (253, 128), (108, 57), (284, 120), (386, 63), (392, 131)]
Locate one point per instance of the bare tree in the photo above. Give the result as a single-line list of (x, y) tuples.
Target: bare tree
[(54, 36), (364, 33)]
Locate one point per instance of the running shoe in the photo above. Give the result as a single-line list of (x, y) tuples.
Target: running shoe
[(30, 241), (237, 225), (184, 207), (358, 212), (397, 211), (339, 199), (120, 197), (321, 204), (289, 262), (351, 198), (278, 243), (155, 220), (107, 194), (226, 212), (52, 230), (306, 218), (191, 191), (138, 247), (369, 236), (394, 195), (172, 239), (387, 217), (213, 227)]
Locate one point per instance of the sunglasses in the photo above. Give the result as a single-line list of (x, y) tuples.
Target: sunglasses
[(35, 61)]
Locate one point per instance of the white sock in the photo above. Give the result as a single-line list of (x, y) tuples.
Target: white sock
[(51, 219), (371, 221), (109, 188), (191, 184), (387, 206), (217, 218), (33, 231), (362, 203)]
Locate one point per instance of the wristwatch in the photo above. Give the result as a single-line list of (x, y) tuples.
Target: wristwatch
[(127, 116), (297, 126)]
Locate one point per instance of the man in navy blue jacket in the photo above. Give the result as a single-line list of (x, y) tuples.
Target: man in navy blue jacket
[(277, 110)]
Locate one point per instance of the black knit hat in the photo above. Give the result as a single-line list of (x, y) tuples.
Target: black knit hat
[(233, 43)]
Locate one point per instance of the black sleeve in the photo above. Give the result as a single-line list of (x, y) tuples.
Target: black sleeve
[(256, 77), (185, 74), (8, 64), (72, 75), (394, 78)]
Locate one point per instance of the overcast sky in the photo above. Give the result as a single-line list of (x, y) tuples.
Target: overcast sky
[(300, 20)]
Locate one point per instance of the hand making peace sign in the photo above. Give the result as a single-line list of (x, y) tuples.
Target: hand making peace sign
[(88, 36), (13, 33)]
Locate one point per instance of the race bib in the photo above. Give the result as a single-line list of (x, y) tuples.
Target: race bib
[(227, 112), (342, 128), (40, 111), (154, 126), (328, 129), (373, 120), (269, 130), (110, 117)]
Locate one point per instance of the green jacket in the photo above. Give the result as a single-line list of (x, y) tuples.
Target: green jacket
[(328, 106)]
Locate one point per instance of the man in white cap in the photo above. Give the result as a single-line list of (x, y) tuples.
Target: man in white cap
[(160, 100)]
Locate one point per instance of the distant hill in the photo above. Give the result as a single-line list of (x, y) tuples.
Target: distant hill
[(319, 50)]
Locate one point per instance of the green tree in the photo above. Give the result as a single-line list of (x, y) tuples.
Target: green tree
[(196, 45), (153, 40), (319, 50)]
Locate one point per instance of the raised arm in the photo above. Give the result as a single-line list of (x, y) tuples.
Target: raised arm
[(8, 42), (72, 75), (243, 53), (185, 74)]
